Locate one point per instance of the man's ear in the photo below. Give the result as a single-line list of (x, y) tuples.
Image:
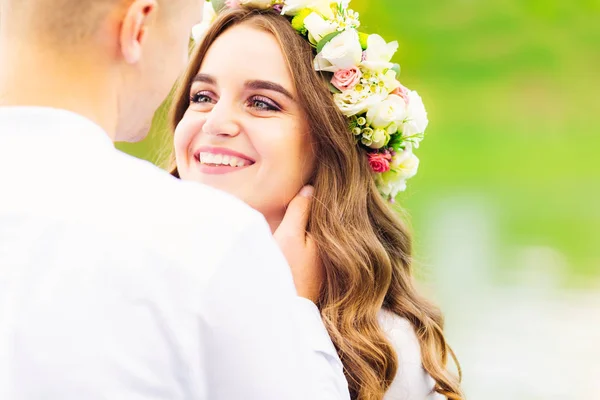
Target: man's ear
[(134, 28)]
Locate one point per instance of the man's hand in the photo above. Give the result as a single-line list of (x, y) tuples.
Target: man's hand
[(298, 247)]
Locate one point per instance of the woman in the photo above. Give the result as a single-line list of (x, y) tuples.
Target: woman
[(254, 118)]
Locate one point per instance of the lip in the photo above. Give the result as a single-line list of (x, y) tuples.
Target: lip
[(210, 170)]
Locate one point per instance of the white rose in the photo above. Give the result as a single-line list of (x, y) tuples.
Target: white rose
[(342, 52), (382, 115), (416, 116), (379, 53), (323, 7), (318, 27), (404, 166), (379, 139), (405, 163), (352, 103), (390, 184)]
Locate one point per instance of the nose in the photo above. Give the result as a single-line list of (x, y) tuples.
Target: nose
[(222, 120)]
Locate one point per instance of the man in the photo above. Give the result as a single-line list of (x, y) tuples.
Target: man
[(117, 281)]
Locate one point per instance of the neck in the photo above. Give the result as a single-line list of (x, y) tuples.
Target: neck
[(37, 76)]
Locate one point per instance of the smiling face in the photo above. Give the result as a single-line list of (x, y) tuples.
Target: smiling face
[(244, 130)]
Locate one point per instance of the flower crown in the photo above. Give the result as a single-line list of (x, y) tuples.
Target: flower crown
[(386, 119)]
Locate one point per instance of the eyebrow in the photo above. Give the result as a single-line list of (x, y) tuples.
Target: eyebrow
[(267, 85), (255, 84), (204, 78)]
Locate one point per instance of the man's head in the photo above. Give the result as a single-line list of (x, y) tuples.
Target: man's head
[(139, 46)]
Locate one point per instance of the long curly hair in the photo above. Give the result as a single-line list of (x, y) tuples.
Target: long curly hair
[(364, 247)]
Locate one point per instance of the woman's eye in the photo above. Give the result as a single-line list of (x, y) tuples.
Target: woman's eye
[(201, 97), (263, 104)]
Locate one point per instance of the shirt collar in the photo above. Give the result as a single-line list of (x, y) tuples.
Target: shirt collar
[(52, 122)]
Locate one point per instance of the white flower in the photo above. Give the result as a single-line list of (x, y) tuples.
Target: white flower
[(293, 7), (318, 27), (208, 17), (323, 7), (260, 4), (416, 118), (379, 53), (389, 80), (342, 52), (391, 110), (392, 129), (379, 139), (405, 163), (199, 31), (390, 184), (352, 103)]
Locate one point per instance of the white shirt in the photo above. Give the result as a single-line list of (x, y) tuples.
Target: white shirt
[(412, 382), (119, 282)]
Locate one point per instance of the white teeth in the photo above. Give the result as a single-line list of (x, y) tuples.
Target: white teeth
[(221, 159), (205, 158)]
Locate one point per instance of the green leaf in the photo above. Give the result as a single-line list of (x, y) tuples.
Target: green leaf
[(396, 142), (333, 89), (326, 40), (218, 5)]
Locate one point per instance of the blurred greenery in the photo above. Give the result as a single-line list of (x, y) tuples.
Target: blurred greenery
[(511, 89)]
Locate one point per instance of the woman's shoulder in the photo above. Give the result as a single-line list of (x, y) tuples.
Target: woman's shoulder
[(412, 382)]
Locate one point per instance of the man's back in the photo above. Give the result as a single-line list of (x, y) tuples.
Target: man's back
[(128, 281)]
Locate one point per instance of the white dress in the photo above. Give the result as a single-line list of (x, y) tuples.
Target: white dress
[(412, 382)]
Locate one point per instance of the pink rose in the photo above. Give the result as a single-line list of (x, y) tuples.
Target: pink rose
[(402, 92), (380, 162), (345, 79)]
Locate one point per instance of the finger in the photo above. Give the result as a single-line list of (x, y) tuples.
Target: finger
[(296, 216)]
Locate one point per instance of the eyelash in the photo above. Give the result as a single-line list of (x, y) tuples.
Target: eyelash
[(268, 104), (195, 98)]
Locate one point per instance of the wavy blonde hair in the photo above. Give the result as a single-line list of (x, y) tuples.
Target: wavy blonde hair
[(364, 247)]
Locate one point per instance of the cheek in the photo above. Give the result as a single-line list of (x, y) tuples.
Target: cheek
[(185, 132), (287, 158)]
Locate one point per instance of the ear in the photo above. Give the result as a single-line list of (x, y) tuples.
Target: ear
[(134, 28)]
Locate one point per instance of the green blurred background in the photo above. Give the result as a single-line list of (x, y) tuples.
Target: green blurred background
[(506, 205)]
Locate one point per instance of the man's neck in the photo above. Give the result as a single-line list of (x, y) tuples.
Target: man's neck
[(33, 76)]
